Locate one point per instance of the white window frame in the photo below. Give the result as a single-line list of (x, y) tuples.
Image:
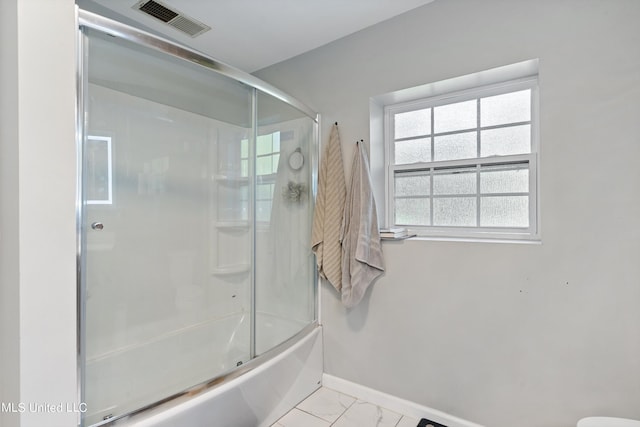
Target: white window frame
[(502, 233)]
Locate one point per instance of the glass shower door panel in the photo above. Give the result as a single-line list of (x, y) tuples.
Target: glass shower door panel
[(285, 291), (163, 312)]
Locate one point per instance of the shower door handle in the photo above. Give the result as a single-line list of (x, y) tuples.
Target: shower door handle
[(97, 226)]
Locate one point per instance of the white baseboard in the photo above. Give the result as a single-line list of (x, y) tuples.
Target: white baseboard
[(393, 403)]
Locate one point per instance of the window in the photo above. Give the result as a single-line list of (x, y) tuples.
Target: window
[(267, 158), (99, 170), (464, 164)]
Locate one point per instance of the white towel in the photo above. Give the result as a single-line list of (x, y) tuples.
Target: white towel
[(362, 259), (327, 216)]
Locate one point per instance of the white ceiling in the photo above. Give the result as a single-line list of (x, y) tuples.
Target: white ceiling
[(253, 34)]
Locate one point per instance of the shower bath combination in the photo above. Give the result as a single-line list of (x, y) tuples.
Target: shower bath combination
[(195, 201)]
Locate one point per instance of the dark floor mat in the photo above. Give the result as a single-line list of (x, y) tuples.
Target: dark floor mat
[(428, 423)]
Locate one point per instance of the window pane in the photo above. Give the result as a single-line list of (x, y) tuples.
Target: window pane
[(244, 148), (263, 165), (504, 179), (512, 211), (412, 185), (412, 211), (276, 160), (454, 211), (458, 116), (457, 146), (454, 182), (264, 145), (412, 123), (244, 168), (505, 141), (99, 186), (264, 191), (263, 210), (506, 108), (412, 151)]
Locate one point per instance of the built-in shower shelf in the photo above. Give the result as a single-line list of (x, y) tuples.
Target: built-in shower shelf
[(231, 270), (231, 178), (233, 225)]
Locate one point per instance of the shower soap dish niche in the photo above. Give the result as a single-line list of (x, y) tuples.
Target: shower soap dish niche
[(230, 178), (231, 270), (233, 225)]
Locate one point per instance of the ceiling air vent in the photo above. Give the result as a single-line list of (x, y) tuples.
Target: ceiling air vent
[(171, 16)]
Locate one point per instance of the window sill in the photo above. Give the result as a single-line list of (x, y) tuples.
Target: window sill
[(398, 238), (469, 240)]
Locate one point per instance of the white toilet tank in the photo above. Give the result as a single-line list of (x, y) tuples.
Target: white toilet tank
[(607, 422)]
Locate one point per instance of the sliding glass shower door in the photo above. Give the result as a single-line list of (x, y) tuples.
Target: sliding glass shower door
[(196, 204), (284, 301), (167, 226)]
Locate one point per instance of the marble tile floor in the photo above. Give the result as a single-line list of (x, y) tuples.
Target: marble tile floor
[(327, 407)]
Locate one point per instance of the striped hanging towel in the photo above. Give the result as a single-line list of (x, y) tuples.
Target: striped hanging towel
[(329, 208)]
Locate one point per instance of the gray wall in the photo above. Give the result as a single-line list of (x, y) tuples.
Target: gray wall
[(503, 334)]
